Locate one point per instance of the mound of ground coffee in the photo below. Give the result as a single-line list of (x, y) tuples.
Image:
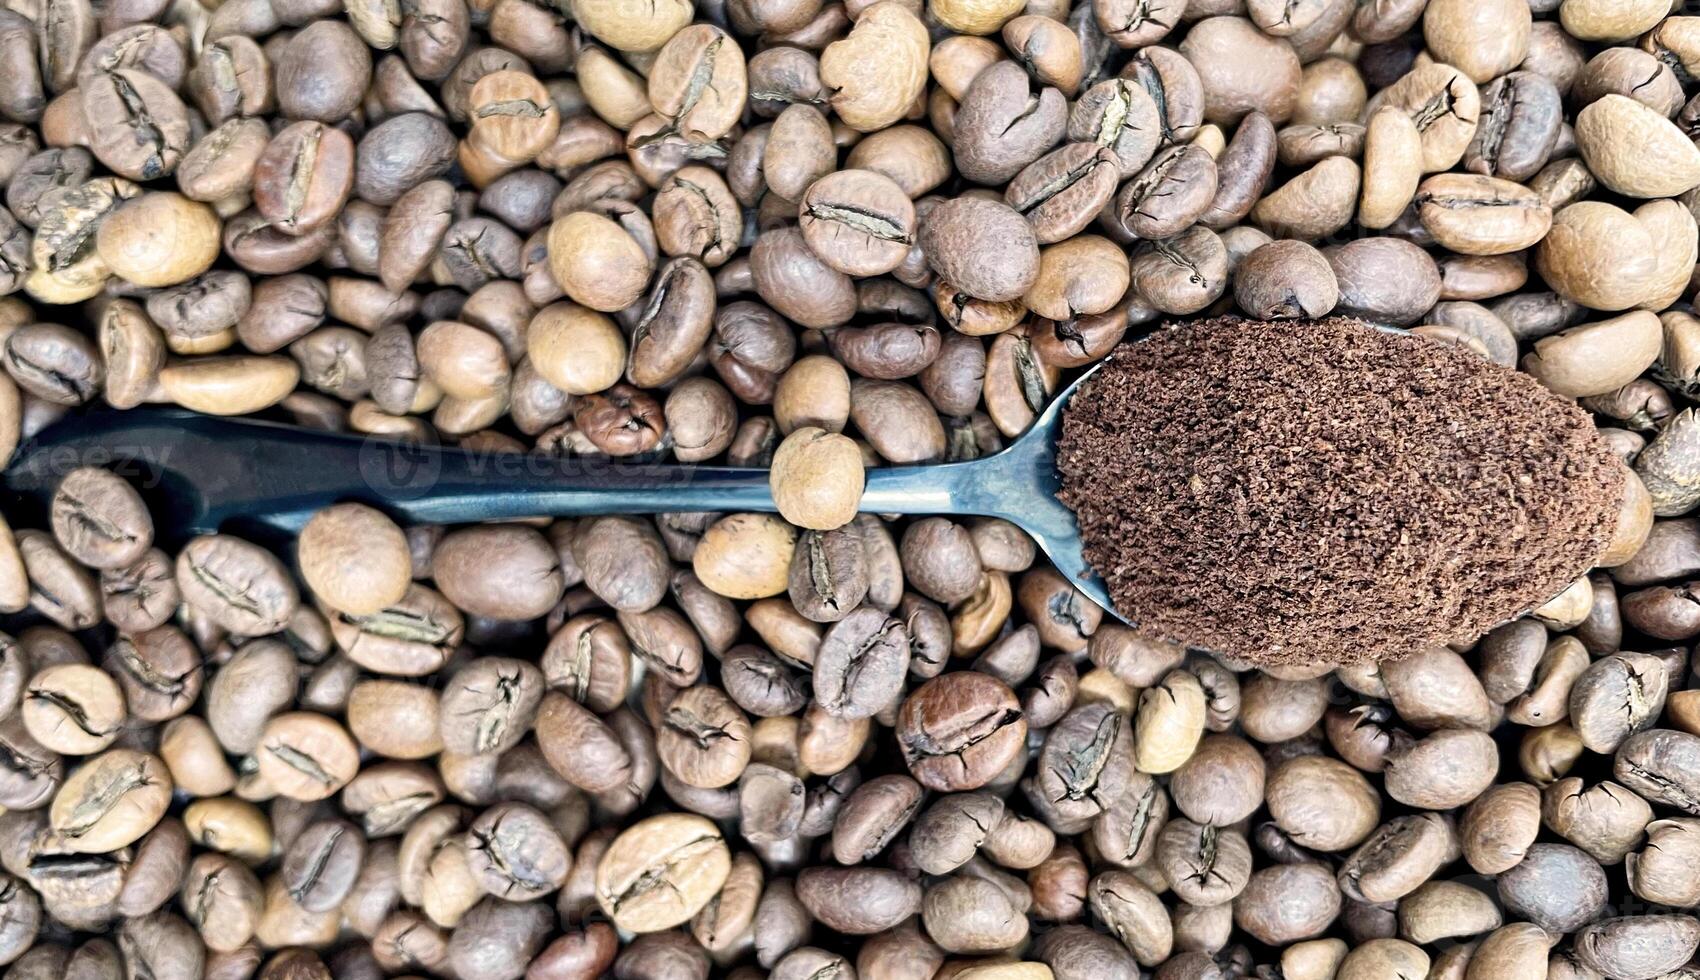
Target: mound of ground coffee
[(1323, 491)]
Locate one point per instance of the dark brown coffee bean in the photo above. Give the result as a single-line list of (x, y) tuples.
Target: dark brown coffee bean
[(1385, 279), (862, 661), (1284, 280), (1520, 119), (1061, 192), (858, 901), (1653, 763), (981, 247), (1003, 124), (673, 325), (1242, 172), (321, 865), (1638, 946), (303, 177), (400, 153), (859, 222), (100, 519), (140, 128), (959, 730), (1171, 193), (231, 79), (322, 72)]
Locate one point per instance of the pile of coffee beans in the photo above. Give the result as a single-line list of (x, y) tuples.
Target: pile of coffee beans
[(820, 236), (1281, 492)]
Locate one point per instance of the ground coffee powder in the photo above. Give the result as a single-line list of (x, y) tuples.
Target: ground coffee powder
[(1325, 491)]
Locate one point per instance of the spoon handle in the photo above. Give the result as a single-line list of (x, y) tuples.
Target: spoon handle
[(468, 487), (450, 486), (278, 475)]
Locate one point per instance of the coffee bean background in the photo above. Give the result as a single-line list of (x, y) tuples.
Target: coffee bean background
[(816, 236)]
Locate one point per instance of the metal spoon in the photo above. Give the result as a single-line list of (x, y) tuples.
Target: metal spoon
[(203, 473)]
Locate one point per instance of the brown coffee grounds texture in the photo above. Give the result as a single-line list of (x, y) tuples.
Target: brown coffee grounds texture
[(1322, 491)]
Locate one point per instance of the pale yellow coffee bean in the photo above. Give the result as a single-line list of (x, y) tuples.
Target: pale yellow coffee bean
[(73, 709), (597, 262), (1594, 358), (1380, 959), (378, 22), (395, 719), (827, 744), (1446, 910), (817, 478), (1473, 214), (59, 289), (465, 361), (1314, 204), (661, 871), (236, 384), (1444, 104), (1211, 140), (110, 801), (306, 756), (576, 349), (354, 558), (878, 71), (956, 60), (11, 416), (1482, 38), (212, 343), (1169, 723), (159, 239), (631, 27), (1393, 166), (1598, 255), (365, 416), (1005, 970), (1634, 523), (979, 619), (14, 581), (974, 16), (1610, 20), (449, 889), (1331, 90), (773, 742), (235, 827), (1313, 959), (1515, 951), (1567, 610), (614, 92), (1634, 150), (1099, 684), (284, 923), (745, 556), (1676, 249), (194, 757), (813, 391)]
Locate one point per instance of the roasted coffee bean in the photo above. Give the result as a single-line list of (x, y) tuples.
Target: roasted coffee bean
[(661, 871), (861, 664), (237, 584), (139, 127), (959, 730), (321, 865), (304, 176), (1652, 763)]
